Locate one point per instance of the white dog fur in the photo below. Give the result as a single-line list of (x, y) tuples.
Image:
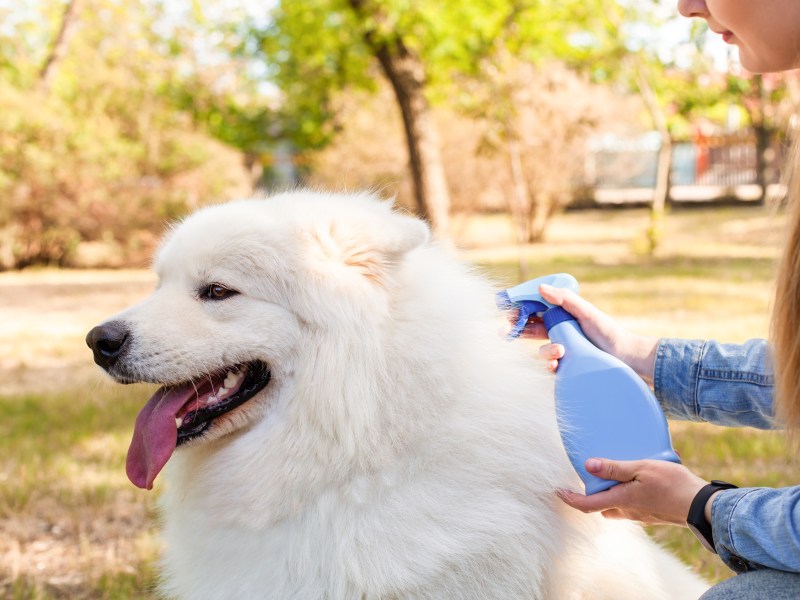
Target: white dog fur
[(402, 448)]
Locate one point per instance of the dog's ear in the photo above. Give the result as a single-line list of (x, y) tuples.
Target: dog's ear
[(369, 242), (403, 234)]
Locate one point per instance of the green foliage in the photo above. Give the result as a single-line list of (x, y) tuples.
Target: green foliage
[(697, 91), (123, 139), (313, 48), (316, 48), (125, 136)]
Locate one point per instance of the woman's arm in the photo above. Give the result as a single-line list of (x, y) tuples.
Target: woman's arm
[(726, 384), (756, 528), (753, 528)]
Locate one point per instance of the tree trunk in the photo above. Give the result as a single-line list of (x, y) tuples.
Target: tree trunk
[(406, 73), (520, 209), (60, 44), (664, 164), (756, 105), (660, 193), (542, 211), (520, 196), (763, 160)]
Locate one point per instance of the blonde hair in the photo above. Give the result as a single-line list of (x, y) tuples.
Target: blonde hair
[(785, 326)]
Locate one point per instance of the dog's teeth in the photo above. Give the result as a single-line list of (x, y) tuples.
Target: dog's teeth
[(178, 421), (231, 380)]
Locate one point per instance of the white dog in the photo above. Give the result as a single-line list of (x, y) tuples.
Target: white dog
[(350, 424)]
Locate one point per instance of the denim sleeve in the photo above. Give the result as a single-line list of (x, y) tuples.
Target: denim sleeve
[(756, 528), (726, 384)]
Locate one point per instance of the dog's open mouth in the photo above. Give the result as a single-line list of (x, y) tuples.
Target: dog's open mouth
[(176, 414)]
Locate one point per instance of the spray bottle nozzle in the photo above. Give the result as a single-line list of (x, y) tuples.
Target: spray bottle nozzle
[(529, 301)]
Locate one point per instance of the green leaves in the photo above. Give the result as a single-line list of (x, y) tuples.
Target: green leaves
[(316, 48), (124, 135)]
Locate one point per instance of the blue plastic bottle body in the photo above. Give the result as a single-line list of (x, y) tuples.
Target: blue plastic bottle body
[(604, 408)]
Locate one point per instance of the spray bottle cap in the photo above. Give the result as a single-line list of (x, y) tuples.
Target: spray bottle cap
[(529, 301)]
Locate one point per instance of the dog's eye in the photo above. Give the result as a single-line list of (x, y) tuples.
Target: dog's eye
[(215, 291)]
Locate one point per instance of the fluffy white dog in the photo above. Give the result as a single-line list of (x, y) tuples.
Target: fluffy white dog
[(349, 422)]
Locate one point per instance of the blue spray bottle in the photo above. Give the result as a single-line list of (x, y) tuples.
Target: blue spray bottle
[(604, 408)]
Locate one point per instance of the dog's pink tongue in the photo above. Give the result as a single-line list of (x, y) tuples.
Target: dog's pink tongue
[(155, 435)]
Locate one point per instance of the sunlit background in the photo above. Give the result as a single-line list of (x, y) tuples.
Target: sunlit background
[(611, 139)]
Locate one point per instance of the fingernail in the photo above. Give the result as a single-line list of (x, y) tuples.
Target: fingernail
[(563, 494), (547, 288), (593, 465)]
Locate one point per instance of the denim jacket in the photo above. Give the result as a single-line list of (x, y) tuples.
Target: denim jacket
[(728, 384)]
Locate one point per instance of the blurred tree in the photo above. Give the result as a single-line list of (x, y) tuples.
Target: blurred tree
[(402, 65), (765, 104), (636, 65), (318, 48), (557, 111), (321, 47), (60, 43), (658, 117), (96, 141), (537, 120), (525, 90), (698, 87)]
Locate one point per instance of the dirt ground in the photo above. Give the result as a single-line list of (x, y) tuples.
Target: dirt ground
[(44, 318)]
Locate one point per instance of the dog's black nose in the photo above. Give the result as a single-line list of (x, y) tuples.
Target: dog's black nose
[(108, 341)]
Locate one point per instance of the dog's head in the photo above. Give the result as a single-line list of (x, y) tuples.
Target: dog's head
[(245, 292)]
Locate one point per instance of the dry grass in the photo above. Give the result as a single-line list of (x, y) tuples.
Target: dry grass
[(71, 526)]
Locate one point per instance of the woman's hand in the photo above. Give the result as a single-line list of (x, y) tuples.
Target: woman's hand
[(636, 351), (652, 491)]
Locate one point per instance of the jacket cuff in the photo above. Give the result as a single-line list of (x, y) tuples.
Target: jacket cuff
[(723, 508)]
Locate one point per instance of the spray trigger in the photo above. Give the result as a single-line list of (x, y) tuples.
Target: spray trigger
[(529, 301)]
